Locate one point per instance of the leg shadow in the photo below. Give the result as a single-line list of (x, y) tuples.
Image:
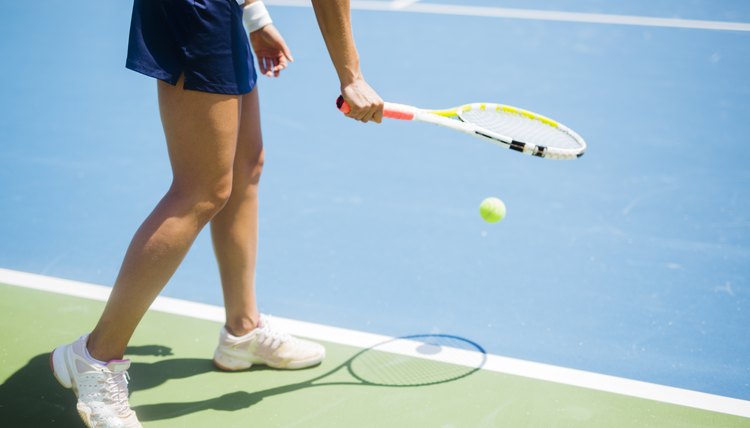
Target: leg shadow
[(31, 397)]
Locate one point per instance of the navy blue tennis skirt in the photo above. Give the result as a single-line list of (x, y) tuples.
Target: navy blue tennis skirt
[(202, 39)]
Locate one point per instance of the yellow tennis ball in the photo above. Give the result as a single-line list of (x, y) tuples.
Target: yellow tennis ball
[(492, 210)]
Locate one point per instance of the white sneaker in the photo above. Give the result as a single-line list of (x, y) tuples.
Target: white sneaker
[(265, 345), (102, 390)]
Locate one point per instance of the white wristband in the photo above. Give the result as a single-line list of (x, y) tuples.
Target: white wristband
[(255, 16)]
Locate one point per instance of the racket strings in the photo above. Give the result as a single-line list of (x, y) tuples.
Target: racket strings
[(384, 368), (381, 366), (521, 128)]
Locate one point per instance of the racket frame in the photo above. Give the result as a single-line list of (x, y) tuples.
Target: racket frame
[(451, 118)]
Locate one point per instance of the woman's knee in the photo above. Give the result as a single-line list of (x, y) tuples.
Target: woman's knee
[(249, 170), (255, 169), (203, 200)]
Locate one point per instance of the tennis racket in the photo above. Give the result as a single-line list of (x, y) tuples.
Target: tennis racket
[(506, 126)]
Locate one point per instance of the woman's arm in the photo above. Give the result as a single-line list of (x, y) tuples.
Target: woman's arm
[(335, 26), (270, 48)]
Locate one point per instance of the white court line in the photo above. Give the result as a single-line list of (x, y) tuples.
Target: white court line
[(494, 363), (401, 4), (532, 14)]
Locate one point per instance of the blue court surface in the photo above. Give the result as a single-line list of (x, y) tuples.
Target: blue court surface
[(633, 261)]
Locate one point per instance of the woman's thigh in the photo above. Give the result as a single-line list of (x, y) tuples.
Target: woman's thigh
[(201, 130)]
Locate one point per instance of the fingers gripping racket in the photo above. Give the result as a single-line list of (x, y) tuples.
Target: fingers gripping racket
[(506, 126)]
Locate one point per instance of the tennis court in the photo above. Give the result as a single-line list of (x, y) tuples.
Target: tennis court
[(615, 293)]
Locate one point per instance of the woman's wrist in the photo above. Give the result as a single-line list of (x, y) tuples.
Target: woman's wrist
[(255, 16), (349, 75)]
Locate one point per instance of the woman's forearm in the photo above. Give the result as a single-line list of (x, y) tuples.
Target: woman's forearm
[(335, 26)]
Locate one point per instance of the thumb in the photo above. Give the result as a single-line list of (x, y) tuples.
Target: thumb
[(287, 52)]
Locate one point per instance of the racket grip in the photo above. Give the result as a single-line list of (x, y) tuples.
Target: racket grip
[(390, 110), (342, 105)]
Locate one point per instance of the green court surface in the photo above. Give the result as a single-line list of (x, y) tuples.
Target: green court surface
[(174, 384)]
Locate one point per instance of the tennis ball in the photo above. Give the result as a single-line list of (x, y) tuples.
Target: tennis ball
[(492, 210)]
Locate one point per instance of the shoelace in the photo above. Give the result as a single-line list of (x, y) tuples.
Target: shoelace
[(117, 387), (268, 331)]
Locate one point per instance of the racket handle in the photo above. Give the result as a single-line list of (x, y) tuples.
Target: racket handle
[(342, 105), (390, 110)]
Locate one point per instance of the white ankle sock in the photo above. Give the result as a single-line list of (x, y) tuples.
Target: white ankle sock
[(92, 359)]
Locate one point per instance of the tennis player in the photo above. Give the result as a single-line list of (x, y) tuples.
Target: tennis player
[(200, 53)]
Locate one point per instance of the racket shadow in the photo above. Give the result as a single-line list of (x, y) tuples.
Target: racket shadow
[(406, 362)]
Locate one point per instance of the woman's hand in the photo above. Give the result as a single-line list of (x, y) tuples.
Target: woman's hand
[(365, 104), (271, 50)]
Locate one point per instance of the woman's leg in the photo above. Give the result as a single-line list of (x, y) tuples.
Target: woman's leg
[(235, 236), (234, 230), (201, 132)]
